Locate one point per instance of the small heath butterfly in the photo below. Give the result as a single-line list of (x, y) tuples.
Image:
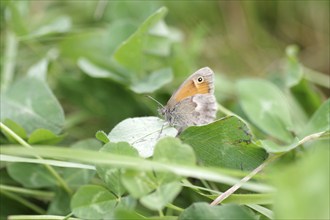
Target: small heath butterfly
[(193, 103)]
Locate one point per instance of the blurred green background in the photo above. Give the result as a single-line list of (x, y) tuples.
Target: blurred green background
[(235, 38)]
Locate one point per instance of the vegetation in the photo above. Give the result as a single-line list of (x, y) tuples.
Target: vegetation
[(80, 140)]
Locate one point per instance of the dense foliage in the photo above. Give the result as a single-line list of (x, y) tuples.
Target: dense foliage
[(79, 138)]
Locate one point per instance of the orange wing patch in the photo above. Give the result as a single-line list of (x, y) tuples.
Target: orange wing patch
[(190, 89)]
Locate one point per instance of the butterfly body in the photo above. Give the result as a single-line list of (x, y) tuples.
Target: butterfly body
[(193, 103)]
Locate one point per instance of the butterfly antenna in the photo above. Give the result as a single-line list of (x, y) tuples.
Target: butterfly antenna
[(160, 104)]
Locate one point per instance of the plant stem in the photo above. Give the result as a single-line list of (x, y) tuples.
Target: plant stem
[(235, 187), (68, 216), (316, 77), (270, 159), (9, 61), (100, 8), (23, 201), (55, 163), (174, 207), (39, 217), (161, 214), (59, 179), (311, 137), (266, 212), (31, 192)]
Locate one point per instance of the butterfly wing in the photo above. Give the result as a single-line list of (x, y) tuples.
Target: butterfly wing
[(190, 88), (195, 110), (193, 103)]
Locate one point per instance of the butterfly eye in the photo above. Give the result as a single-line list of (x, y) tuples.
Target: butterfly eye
[(200, 79)]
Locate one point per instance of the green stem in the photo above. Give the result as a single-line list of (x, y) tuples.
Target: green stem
[(39, 217), (270, 159), (29, 192), (23, 201), (100, 9), (265, 211), (161, 214), (174, 207), (9, 61), (236, 186), (198, 189), (50, 169), (68, 216), (313, 76)]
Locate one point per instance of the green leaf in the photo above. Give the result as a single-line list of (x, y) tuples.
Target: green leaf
[(78, 177), (143, 52), (60, 204), (126, 203), (122, 213), (272, 147), (138, 183), (205, 211), (136, 61), (320, 121), (102, 136), (266, 107), (16, 16), (131, 52), (31, 175), (31, 103), (60, 24), (293, 69), (142, 133), (303, 187), (153, 81), (308, 97), (142, 184), (163, 195), (110, 175), (224, 143), (92, 202), (153, 192), (88, 144), (169, 149), (172, 150), (36, 176), (96, 71), (44, 136), (248, 199), (120, 148), (135, 11), (74, 46), (160, 39), (15, 128), (118, 31), (39, 70), (158, 42)]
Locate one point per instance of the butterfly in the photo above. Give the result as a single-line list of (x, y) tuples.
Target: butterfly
[(193, 103)]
